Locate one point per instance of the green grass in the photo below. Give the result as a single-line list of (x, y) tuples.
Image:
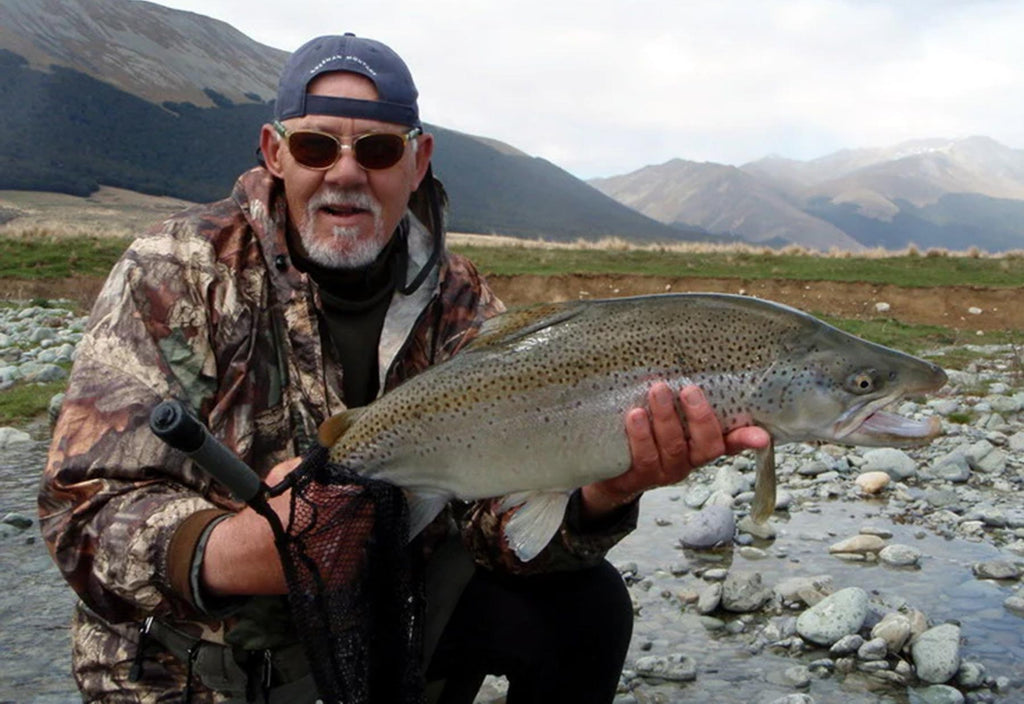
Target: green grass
[(904, 270), (49, 257), (24, 402)]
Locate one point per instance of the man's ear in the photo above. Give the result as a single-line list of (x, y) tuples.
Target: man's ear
[(424, 150), (270, 145)]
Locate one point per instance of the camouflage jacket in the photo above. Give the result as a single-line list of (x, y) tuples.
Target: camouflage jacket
[(207, 308)]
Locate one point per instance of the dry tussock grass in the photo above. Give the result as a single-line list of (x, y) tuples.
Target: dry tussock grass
[(617, 244)]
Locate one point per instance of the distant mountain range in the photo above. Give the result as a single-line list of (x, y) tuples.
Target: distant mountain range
[(932, 193), (139, 96)]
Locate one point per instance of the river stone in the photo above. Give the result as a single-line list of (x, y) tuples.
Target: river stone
[(1016, 442), (873, 482), (835, 616), (899, 555), (764, 531), (675, 668), (952, 467), (743, 592), (713, 525), (794, 699), (1015, 604), (936, 694), (859, 544), (971, 675), (696, 496), (896, 463), (874, 649), (992, 463), (894, 629), (936, 653), (729, 481), (996, 569), (809, 590), (710, 598), (12, 436)]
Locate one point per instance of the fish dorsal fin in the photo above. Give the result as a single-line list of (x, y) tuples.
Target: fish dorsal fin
[(536, 520), (337, 425), (517, 323)]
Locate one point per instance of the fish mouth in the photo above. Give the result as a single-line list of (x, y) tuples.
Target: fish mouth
[(870, 425)]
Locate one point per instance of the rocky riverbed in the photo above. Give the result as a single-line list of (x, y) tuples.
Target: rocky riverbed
[(884, 575)]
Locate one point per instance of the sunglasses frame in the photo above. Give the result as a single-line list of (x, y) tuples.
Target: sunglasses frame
[(287, 134)]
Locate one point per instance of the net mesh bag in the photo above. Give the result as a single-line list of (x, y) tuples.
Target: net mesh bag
[(355, 589)]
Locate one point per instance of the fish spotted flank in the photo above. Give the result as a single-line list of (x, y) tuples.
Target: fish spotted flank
[(534, 406)]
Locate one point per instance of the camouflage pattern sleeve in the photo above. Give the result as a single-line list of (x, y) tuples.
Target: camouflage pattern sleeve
[(113, 495)]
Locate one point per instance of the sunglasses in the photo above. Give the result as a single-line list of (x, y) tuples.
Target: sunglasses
[(320, 151)]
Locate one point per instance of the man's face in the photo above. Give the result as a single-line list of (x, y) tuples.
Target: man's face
[(346, 215)]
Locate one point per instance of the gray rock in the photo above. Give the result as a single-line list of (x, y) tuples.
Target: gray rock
[(711, 527), (835, 616), (952, 467), (896, 463), (710, 598), (798, 676), (729, 481), (1016, 442), (1014, 604), (846, 645), (936, 653), (42, 373), (936, 694), (794, 699), (809, 590), (674, 668), (16, 520), (696, 496), (12, 436), (874, 649), (743, 592), (899, 555), (858, 544), (971, 675), (996, 569), (764, 531), (894, 630)]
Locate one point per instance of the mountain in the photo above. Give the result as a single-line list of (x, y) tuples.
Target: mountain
[(134, 95), (930, 192), (721, 199)]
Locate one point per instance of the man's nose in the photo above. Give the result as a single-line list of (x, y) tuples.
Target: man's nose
[(346, 171)]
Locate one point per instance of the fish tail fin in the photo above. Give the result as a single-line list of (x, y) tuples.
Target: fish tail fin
[(337, 425)]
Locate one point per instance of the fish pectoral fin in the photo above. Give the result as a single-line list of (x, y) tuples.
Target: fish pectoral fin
[(537, 518), (337, 425), (764, 484), (423, 508)]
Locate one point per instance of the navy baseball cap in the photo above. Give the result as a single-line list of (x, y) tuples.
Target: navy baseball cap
[(395, 90)]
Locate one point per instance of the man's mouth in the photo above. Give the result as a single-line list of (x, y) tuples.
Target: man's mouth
[(343, 210)]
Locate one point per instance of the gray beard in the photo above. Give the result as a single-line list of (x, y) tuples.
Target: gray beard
[(356, 253)]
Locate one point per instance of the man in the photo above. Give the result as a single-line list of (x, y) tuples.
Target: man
[(314, 287)]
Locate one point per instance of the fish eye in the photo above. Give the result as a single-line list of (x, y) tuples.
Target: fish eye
[(862, 382)]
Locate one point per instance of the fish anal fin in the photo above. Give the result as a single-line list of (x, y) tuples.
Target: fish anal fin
[(423, 508), (537, 518), (764, 484), (337, 425)]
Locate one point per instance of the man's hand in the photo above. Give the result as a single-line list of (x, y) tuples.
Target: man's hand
[(240, 556), (660, 451)]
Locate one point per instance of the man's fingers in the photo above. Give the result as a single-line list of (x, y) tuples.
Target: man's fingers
[(706, 441), (748, 437), (669, 435), (642, 448)]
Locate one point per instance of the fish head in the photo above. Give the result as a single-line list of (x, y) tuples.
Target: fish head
[(832, 386)]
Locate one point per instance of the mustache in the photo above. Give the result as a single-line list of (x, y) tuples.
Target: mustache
[(345, 198)]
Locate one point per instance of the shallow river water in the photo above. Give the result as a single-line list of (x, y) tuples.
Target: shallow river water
[(35, 603)]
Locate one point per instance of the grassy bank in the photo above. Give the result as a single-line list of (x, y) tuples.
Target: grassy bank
[(39, 255)]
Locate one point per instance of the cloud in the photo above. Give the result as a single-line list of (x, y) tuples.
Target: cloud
[(606, 87)]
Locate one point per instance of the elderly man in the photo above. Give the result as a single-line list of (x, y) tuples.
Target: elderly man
[(319, 284)]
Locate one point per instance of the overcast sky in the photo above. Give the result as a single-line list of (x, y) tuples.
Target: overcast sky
[(603, 88)]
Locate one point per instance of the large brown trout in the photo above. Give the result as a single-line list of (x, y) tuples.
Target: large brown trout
[(534, 406)]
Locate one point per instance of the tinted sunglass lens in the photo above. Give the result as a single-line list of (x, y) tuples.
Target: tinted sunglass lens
[(317, 151), (379, 151)]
